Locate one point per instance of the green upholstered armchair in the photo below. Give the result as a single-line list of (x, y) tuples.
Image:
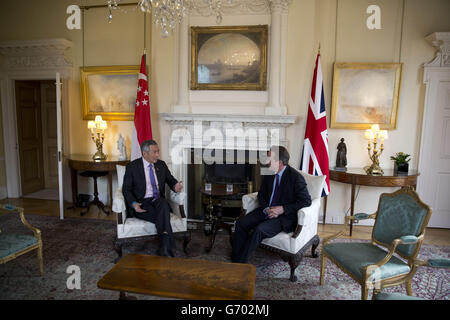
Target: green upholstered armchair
[(400, 222), (13, 245)]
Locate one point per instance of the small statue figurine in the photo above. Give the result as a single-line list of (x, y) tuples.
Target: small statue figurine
[(341, 158), (122, 148)]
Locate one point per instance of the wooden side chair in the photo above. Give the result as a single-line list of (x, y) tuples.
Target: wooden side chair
[(13, 245), (400, 222)]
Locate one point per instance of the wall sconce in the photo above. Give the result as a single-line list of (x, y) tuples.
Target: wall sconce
[(98, 127), (373, 135)]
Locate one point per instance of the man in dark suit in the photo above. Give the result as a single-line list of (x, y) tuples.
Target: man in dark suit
[(280, 197), (144, 191)]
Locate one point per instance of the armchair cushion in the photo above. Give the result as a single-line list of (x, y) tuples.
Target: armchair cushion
[(12, 243), (250, 202), (361, 216), (355, 256), (397, 217), (120, 174), (119, 202), (409, 239), (314, 184), (134, 227), (177, 198), (309, 215)]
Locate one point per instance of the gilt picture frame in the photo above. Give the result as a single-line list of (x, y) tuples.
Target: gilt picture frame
[(109, 91), (365, 94), (229, 58)]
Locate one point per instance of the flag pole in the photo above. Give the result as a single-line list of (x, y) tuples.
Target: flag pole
[(319, 48), (145, 31)]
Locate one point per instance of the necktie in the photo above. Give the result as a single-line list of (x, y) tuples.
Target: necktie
[(275, 189), (153, 182)]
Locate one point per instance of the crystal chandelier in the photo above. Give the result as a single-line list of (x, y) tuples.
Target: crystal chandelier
[(169, 13)]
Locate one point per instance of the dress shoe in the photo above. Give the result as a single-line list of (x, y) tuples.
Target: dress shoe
[(164, 246), (171, 247), (163, 252)]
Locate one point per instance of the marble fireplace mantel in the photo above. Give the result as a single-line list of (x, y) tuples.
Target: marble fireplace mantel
[(257, 130), (281, 121)]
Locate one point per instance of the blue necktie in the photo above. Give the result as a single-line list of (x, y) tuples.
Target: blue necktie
[(153, 183), (275, 189)]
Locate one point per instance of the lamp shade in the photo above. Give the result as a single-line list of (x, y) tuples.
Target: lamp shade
[(91, 125), (368, 134), (375, 127), (383, 134), (98, 119)]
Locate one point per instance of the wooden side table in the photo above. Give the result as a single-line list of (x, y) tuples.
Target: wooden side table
[(218, 191), (357, 176), (84, 162)]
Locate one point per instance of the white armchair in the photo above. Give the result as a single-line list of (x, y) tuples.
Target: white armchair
[(134, 229), (291, 246)]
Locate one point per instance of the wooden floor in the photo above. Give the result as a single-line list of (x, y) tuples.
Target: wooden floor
[(433, 236)]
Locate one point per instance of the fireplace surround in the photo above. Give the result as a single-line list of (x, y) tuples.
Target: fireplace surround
[(199, 139)]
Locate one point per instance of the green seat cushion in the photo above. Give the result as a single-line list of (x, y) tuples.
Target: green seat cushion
[(11, 243), (354, 256), (395, 296)]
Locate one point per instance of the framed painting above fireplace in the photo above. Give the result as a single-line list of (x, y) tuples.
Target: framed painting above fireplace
[(229, 58)]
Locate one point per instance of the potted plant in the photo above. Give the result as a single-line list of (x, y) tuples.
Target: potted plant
[(401, 162)]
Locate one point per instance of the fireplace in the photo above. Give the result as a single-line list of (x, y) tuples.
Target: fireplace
[(242, 137), (243, 172)]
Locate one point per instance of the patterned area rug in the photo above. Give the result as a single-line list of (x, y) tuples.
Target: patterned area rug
[(89, 245)]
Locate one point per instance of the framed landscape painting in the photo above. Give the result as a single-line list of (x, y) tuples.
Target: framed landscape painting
[(109, 91), (229, 58), (365, 94)]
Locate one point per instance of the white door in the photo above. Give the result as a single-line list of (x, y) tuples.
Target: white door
[(434, 181), (59, 145)]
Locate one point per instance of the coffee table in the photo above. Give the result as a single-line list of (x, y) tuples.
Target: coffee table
[(180, 278)]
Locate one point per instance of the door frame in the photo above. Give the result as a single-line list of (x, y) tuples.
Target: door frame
[(30, 60), (434, 72), (10, 137)]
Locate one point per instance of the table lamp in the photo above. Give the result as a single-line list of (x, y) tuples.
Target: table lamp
[(373, 135), (98, 127)]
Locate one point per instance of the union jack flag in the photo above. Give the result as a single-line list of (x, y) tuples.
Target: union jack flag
[(315, 147)]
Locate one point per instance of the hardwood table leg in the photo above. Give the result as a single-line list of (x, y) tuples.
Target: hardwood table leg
[(352, 208), (123, 296), (96, 201), (110, 190), (214, 228)]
